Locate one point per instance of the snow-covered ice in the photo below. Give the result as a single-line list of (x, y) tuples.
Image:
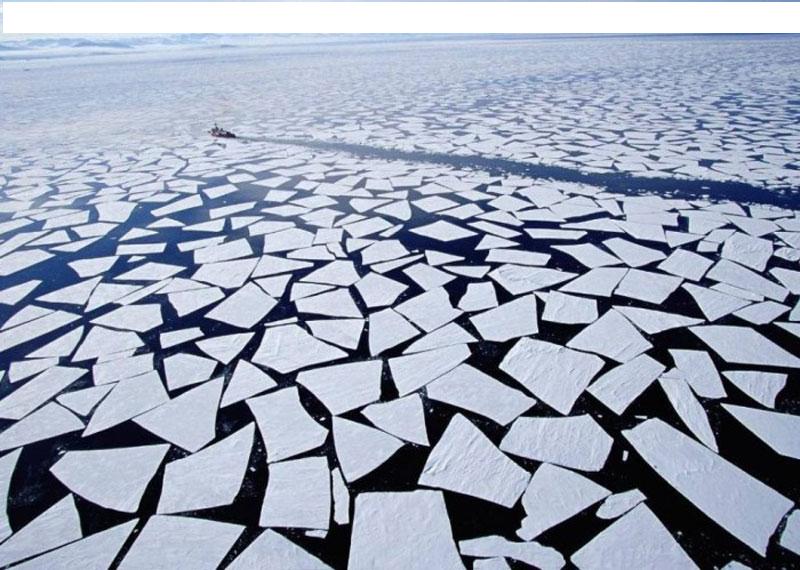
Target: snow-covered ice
[(439, 291)]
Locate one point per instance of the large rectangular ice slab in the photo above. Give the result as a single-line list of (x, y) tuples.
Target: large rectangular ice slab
[(739, 503), (398, 531)]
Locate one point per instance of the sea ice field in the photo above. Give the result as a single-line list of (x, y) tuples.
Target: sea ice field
[(445, 302)]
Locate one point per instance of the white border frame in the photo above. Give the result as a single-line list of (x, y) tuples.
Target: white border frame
[(399, 17)]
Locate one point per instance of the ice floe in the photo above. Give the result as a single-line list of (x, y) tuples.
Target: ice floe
[(708, 481), (209, 478), (285, 426), (531, 553), (637, 540), (569, 309), (244, 308), (510, 320), (383, 536), (465, 461), (96, 551), (112, 478), (554, 495), (403, 418), (688, 408), (127, 399), (344, 387), (470, 389), (743, 345), (577, 442), (308, 478), (555, 374), (246, 381), (188, 420), (169, 541), (777, 430), (49, 421), (58, 525), (613, 336), (271, 549), (620, 503), (414, 371), (763, 387), (620, 386), (361, 449), (287, 348)]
